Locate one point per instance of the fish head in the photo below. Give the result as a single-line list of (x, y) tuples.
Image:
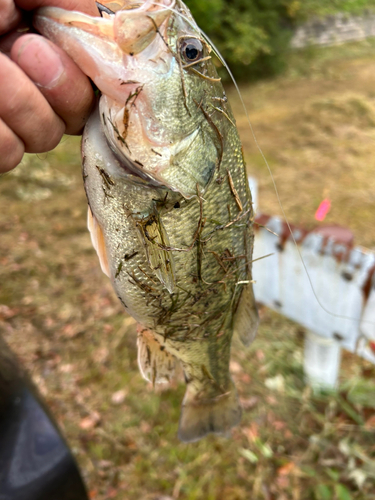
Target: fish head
[(159, 87)]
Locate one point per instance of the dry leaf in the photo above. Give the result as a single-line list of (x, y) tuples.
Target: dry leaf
[(90, 422), (286, 469), (370, 423), (118, 397), (251, 432), (235, 367), (249, 403)]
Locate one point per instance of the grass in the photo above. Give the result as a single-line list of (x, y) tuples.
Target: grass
[(59, 313), (315, 126)]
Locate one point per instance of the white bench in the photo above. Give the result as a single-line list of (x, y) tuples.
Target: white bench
[(343, 278)]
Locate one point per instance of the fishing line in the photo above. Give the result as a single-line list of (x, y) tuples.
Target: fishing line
[(223, 62)]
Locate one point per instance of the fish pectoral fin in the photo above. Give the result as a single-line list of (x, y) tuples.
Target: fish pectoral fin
[(155, 363), (200, 416), (246, 318), (97, 240), (159, 256)]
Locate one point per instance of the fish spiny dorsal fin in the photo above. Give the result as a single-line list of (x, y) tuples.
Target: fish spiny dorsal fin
[(155, 363), (246, 318)]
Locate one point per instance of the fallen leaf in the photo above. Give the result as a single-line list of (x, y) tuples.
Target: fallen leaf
[(118, 397), (271, 400), (105, 464), (260, 355), (248, 403), (6, 312), (245, 377), (370, 423), (67, 368), (249, 455), (145, 427), (100, 356), (282, 481), (278, 425), (276, 383), (251, 432), (235, 367), (286, 469), (90, 422)]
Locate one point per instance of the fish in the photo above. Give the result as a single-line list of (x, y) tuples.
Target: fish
[(169, 207)]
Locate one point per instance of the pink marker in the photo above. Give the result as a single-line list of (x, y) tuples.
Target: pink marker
[(323, 210)]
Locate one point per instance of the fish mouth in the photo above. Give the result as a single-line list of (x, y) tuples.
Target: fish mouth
[(109, 47), (123, 51), (110, 7), (131, 24)]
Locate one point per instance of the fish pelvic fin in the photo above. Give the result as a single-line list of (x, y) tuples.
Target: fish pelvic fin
[(155, 363), (98, 242), (200, 416), (246, 318)]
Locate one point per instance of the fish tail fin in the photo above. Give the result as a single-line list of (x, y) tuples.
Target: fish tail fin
[(200, 416)]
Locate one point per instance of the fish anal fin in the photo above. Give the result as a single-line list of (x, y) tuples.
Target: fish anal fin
[(97, 240), (200, 416), (155, 363), (246, 318)]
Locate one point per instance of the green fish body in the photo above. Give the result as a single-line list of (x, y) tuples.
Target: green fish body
[(170, 211)]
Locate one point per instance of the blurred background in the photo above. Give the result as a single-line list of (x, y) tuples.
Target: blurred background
[(311, 101)]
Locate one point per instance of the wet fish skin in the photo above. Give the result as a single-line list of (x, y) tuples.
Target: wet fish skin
[(170, 208)]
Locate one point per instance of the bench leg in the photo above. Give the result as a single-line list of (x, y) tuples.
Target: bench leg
[(321, 361)]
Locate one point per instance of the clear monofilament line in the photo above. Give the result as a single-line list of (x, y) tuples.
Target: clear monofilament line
[(223, 62)]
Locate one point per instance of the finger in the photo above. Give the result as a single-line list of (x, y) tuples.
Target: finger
[(25, 111), (10, 16), (69, 93), (11, 148), (8, 39), (86, 6)]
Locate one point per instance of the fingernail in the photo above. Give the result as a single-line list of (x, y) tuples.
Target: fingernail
[(40, 62)]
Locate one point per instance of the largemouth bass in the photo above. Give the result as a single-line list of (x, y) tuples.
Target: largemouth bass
[(170, 211)]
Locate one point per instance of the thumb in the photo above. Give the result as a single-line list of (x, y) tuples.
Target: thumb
[(66, 88)]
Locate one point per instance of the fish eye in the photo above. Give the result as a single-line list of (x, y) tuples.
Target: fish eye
[(191, 50)]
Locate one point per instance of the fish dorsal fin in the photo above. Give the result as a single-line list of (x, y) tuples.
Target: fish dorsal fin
[(155, 363), (246, 318), (97, 240)]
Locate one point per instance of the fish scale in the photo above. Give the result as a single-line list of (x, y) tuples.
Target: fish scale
[(170, 209)]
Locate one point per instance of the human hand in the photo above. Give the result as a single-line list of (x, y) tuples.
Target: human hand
[(43, 94)]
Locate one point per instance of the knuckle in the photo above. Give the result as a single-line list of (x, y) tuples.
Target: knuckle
[(25, 110), (9, 16), (11, 155), (46, 134)]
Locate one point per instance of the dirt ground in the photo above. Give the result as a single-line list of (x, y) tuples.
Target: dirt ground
[(316, 125)]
